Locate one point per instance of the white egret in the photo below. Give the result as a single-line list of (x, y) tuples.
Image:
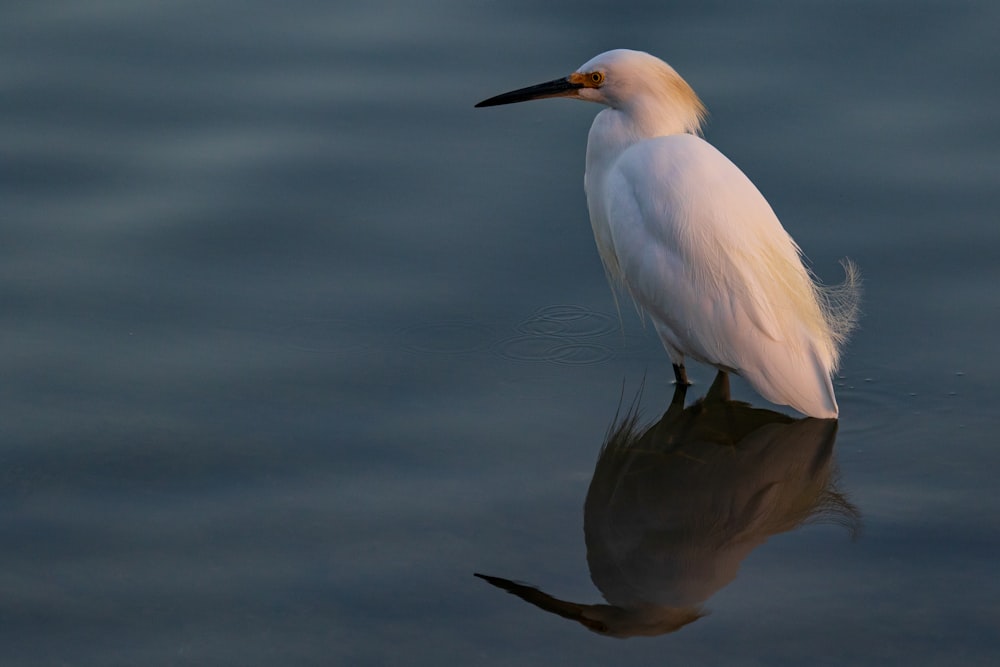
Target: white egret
[(693, 241)]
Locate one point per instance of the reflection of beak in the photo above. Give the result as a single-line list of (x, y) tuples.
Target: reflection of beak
[(570, 610), (605, 619), (557, 88)]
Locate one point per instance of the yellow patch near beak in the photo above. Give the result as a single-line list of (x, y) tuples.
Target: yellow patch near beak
[(588, 80)]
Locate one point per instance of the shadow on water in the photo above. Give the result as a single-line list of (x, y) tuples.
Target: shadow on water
[(672, 510)]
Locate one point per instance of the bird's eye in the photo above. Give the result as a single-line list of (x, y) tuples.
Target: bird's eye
[(597, 78)]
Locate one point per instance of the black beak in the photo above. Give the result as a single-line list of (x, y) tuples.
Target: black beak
[(557, 88)]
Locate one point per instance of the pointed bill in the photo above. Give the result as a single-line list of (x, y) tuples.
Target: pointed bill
[(565, 87)]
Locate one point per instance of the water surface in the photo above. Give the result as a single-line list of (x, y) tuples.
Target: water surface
[(294, 340)]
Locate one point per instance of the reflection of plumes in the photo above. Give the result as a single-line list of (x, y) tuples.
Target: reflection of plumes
[(673, 510)]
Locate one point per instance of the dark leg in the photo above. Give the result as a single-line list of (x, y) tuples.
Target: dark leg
[(680, 375), (719, 391), (680, 392)]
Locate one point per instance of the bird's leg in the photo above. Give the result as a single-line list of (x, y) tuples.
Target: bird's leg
[(680, 375), (720, 387), (680, 392)]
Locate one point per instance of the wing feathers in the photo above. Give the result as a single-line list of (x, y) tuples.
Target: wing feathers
[(699, 248)]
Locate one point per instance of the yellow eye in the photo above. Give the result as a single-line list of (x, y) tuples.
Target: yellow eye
[(597, 78)]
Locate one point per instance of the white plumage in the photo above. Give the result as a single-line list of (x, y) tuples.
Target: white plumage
[(693, 241)]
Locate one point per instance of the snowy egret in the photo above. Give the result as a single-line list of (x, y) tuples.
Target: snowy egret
[(694, 242)]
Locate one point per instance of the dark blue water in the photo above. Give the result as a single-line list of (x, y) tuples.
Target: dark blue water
[(293, 341)]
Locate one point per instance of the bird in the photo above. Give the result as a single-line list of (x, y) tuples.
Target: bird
[(683, 231)]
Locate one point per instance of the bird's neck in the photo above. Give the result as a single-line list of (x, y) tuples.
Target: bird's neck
[(615, 130)]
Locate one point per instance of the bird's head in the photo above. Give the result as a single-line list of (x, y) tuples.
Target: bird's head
[(621, 79)]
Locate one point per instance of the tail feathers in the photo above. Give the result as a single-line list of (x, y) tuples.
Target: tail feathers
[(800, 381), (841, 306)]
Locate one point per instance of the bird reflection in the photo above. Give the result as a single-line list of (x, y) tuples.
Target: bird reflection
[(673, 510)]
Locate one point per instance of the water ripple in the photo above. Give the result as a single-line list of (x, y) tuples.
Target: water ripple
[(881, 410), (554, 349), (566, 320), (561, 334)]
